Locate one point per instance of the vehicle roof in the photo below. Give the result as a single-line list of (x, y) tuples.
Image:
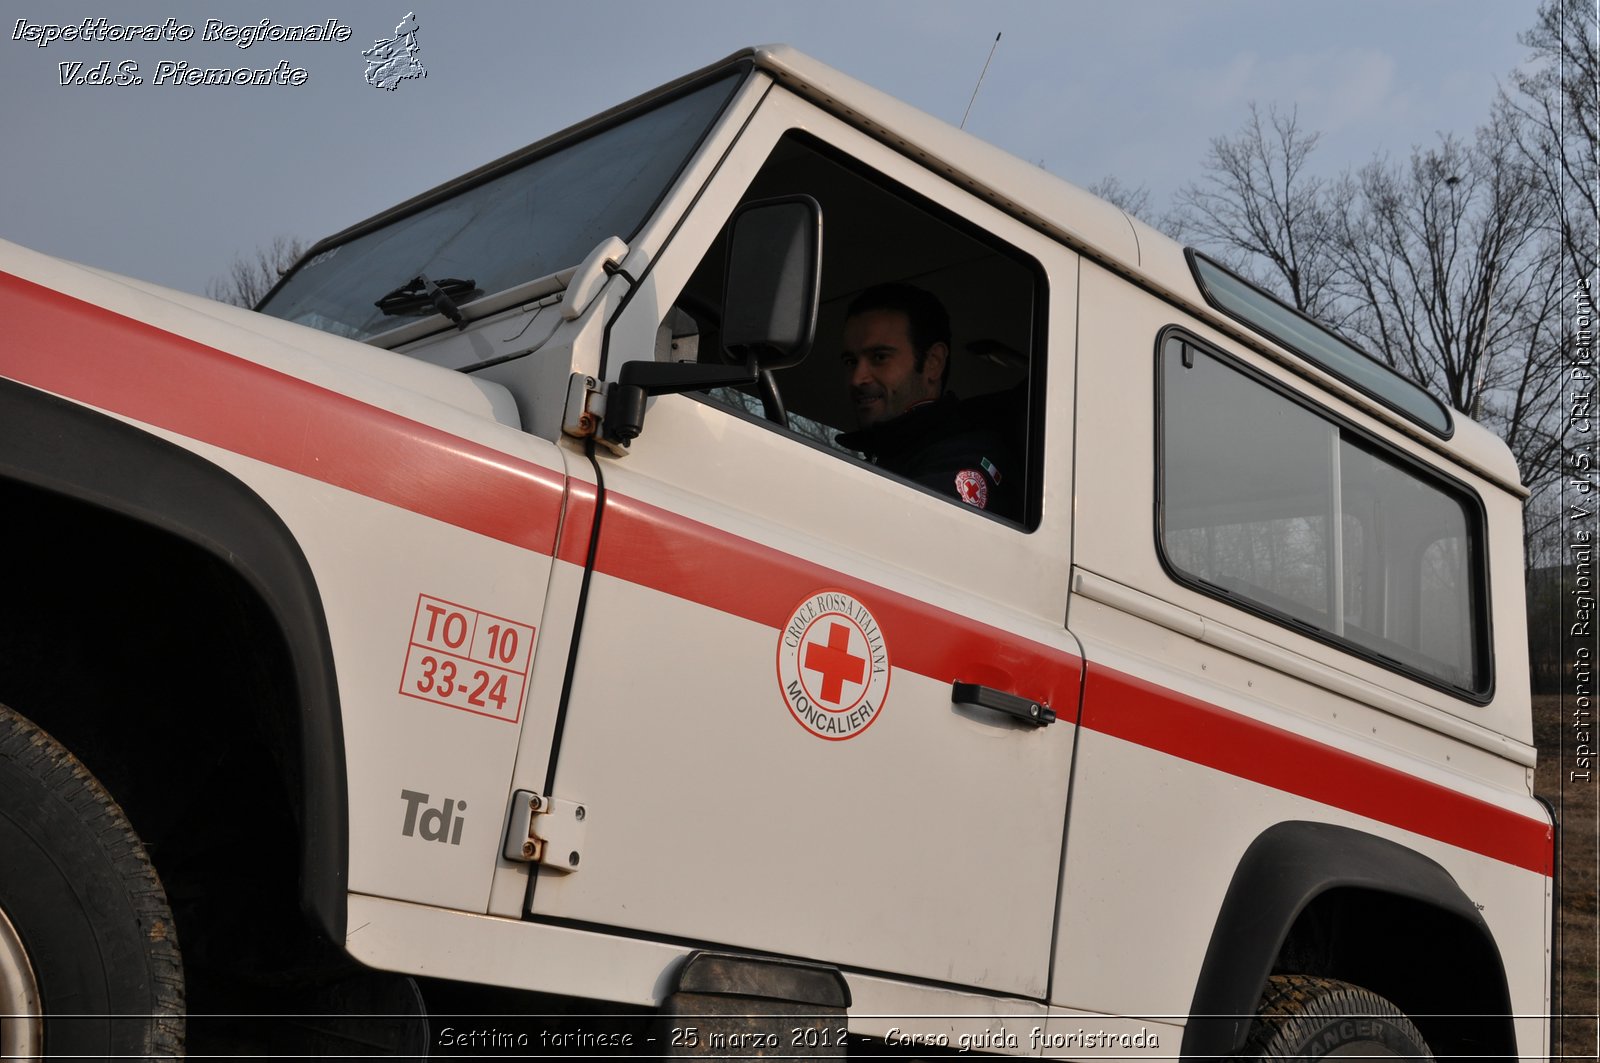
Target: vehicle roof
[(1099, 229)]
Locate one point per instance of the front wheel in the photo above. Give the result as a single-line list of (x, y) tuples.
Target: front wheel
[(89, 963), (1307, 1018)]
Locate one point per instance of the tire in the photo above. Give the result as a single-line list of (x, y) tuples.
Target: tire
[(1306, 1018), (85, 930)]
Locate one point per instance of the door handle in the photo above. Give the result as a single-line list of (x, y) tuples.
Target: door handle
[(984, 697)]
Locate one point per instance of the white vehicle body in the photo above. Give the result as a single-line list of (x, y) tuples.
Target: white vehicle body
[(608, 624)]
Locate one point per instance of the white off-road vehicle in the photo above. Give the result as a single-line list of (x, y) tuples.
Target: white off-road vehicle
[(494, 623)]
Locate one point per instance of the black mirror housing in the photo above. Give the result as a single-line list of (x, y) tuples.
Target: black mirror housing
[(770, 297), (773, 281)]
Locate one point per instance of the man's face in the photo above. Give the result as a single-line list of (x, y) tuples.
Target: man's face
[(880, 366)]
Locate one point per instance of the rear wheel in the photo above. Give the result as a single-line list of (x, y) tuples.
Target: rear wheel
[(89, 962), (1302, 1017)]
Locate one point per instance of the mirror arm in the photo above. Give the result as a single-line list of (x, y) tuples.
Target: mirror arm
[(670, 378), (772, 400), (638, 381)]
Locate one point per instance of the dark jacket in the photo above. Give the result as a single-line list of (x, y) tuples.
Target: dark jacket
[(943, 445)]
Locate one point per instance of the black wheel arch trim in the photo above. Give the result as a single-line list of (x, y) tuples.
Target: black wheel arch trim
[(1287, 867), (71, 450)]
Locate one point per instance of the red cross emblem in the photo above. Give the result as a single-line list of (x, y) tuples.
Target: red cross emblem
[(833, 665), (972, 489), (836, 663)]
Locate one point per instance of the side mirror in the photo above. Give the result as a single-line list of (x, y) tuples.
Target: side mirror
[(773, 281), (770, 297)]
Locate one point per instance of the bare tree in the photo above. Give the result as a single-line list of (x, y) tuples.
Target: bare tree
[(1448, 273), (1262, 211), (1446, 267), (252, 275), (1455, 267), (1555, 106)]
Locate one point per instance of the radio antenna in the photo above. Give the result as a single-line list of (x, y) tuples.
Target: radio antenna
[(979, 85)]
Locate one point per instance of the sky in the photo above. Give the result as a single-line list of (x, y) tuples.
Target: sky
[(169, 182)]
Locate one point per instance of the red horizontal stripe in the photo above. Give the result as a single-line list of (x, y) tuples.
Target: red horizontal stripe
[(577, 525), (1134, 710), (665, 551), (673, 554), (88, 353)]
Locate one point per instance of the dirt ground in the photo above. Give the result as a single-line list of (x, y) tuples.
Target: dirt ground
[(1575, 996)]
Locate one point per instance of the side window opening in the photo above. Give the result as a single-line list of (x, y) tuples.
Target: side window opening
[(876, 232), (1252, 482)]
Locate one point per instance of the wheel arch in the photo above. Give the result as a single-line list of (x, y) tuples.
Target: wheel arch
[(1359, 908), (116, 473)]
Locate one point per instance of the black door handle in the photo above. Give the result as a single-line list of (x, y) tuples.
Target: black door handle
[(989, 698)]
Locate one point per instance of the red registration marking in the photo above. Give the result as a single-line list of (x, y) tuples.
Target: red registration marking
[(467, 659)]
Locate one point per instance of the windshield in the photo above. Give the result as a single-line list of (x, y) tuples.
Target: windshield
[(530, 222)]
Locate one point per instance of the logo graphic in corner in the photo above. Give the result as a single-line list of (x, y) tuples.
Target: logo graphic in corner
[(392, 61), (833, 666)]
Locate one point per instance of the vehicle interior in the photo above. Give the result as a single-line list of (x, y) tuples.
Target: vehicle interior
[(875, 231)]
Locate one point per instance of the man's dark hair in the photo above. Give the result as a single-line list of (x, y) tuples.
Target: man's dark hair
[(926, 316)]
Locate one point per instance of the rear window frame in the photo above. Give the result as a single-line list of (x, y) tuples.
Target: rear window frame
[(1430, 475)]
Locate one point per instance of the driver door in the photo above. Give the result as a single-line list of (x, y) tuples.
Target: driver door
[(761, 723)]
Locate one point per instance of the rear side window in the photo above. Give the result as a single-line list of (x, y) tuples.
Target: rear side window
[(1273, 505)]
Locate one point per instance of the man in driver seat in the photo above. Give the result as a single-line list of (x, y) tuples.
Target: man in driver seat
[(896, 358)]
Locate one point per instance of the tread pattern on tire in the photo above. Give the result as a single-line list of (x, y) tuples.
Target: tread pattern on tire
[(1295, 1007), (64, 777)]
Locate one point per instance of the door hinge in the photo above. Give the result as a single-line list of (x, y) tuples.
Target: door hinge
[(545, 830), (586, 406), (585, 413)]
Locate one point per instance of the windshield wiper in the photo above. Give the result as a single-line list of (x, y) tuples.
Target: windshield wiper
[(420, 292)]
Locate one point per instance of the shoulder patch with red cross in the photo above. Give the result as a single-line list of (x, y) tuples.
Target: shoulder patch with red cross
[(972, 485)]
